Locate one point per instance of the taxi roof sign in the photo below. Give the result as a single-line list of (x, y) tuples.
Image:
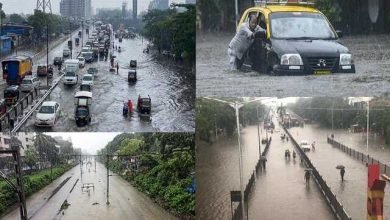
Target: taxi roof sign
[(284, 2)]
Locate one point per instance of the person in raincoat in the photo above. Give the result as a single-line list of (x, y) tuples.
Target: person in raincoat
[(242, 41), (342, 172)]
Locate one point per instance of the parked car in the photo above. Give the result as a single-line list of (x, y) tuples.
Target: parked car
[(87, 80), (29, 83), (297, 39), (47, 114), (81, 61)]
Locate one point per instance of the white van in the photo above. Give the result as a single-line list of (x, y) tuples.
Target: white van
[(71, 71)]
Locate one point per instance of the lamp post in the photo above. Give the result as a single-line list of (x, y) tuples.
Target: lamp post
[(236, 106), (47, 54), (368, 121)]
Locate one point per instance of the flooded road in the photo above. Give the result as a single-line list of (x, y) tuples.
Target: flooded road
[(171, 88), (282, 185), (126, 202), (352, 193), (214, 77), (217, 172)]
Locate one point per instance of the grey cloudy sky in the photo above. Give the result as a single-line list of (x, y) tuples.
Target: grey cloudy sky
[(28, 6), (88, 141)]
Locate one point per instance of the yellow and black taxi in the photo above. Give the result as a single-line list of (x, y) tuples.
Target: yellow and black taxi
[(297, 40)]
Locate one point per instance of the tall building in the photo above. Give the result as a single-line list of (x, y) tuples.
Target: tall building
[(159, 4), (27, 140), (76, 8), (135, 9)]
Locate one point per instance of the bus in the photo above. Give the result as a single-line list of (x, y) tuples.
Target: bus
[(15, 68)]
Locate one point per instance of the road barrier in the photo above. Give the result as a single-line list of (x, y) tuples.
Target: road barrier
[(336, 207), (364, 158), (36, 105), (8, 119), (237, 213)]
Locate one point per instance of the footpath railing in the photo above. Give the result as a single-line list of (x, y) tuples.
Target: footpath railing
[(336, 207), (8, 119), (364, 158), (237, 213)]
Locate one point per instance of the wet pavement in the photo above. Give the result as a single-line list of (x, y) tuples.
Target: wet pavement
[(126, 202), (281, 186), (171, 88), (352, 193), (214, 77)]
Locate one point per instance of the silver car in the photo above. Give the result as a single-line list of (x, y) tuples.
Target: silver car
[(29, 83)]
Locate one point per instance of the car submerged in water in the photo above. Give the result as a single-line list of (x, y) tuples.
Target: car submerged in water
[(298, 40)]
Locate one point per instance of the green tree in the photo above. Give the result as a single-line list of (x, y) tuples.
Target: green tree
[(46, 147), (31, 157), (17, 19)]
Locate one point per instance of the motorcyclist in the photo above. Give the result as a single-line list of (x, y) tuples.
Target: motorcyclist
[(125, 108), (130, 105)]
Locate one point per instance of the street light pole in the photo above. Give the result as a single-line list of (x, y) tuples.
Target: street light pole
[(47, 54), (237, 107), (368, 121), (236, 6)]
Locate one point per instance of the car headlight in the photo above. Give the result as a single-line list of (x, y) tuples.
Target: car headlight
[(345, 59), (291, 59)]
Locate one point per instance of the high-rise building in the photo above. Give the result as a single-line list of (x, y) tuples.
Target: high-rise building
[(134, 9), (76, 8), (159, 4), (190, 2), (27, 140)]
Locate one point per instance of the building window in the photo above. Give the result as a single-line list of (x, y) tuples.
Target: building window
[(7, 141)]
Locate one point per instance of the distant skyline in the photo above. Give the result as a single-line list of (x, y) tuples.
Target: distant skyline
[(28, 6), (89, 142)]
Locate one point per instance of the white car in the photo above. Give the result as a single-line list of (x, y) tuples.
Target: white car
[(81, 61), (47, 114), (70, 78), (305, 146), (87, 80), (29, 83), (66, 52)]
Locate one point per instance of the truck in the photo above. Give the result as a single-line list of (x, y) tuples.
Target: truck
[(15, 68), (71, 71)]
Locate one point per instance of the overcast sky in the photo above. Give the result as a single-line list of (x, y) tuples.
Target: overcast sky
[(88, 141), (28, 6)]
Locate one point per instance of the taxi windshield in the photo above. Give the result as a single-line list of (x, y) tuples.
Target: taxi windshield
[(300, 25)]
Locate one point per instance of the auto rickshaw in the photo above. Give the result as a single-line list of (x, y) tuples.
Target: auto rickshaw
[(11, 94), (85, 87), (144, 106), (132, 76), (133, 63), (83, 101)]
